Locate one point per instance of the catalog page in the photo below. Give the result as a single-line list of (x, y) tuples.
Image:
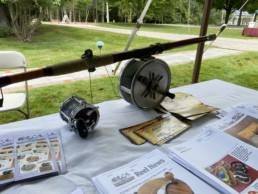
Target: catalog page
[(34, 156), (154, 172), (54, 137), (6, 160), (227, 163), (240, 123)]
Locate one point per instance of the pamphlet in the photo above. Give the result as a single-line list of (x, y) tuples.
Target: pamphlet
[(154, 172), (253, 107), (32, 155), (163, 130), (56, 144), (225, 153), (156, 131), (129, 132), (186, 106)]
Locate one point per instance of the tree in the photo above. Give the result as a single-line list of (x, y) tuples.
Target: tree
[(26, 16), (228, 5), (5, 19)]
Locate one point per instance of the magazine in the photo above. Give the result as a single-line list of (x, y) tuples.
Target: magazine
[(154, 172), (225, 153), (28, 156)]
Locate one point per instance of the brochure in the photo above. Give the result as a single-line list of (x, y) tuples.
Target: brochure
[(185, 106), (56, 144), (154, 172), (29, 156), (156, 131), (225, 153)]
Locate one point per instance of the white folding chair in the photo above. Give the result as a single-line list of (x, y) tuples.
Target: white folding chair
[(14, 101)]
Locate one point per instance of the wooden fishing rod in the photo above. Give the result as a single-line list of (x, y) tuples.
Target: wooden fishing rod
[(90, 62)]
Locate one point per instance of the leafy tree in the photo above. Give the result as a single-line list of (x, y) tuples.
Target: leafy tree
[(228, 5), (26, 16)]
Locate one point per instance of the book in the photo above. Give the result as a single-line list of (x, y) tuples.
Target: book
[(154, 172), (225, 153), (30, 155)]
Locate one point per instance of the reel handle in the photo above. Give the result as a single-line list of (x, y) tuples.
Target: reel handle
[(153, 85)]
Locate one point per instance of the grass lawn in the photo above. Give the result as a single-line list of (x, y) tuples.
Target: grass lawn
[(56, 44), (227, 33)]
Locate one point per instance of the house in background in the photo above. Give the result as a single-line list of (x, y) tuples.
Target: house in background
[(245, 18)]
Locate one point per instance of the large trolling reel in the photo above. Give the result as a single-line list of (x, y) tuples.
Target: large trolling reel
[(145, 83), (81, 116)]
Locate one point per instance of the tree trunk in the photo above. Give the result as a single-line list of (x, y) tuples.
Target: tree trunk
[(70, 15), (74, 17), (5, 20), (227, 16), (93, 10), (103, 11), (79, 15), (22, 20), (138, 8), (239, 18), (50, 14), (97, 14)]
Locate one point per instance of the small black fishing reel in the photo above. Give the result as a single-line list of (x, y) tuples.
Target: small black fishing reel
[(145, 83), (81, 116)]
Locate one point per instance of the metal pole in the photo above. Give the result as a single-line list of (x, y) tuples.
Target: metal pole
[(203, 31), (135, 30)]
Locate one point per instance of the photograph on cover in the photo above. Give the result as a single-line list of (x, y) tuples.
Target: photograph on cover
[(56, 149), (45, 166), (6, 158), (246, 131), (30, 155), (167, 184), (234, 173), (6, 174)]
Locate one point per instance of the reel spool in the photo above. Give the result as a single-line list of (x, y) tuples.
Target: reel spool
[(145, 83), (81, 116)]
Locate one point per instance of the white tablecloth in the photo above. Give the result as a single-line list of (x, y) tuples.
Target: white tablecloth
[(106, 148)]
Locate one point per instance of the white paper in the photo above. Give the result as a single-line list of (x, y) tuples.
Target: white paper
[(137, 174)]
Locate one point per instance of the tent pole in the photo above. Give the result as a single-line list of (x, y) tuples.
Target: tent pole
[(203, 32)]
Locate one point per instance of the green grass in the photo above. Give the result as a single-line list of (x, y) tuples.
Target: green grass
[(227, 33), (241, 70), (55, 44)]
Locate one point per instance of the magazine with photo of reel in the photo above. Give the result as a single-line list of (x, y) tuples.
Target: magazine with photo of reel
[(34, 156)]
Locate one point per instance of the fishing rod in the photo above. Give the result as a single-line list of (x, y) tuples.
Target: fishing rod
[(144, 80)]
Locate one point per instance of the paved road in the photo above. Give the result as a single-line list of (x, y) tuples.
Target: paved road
[(170, 58), (228, 43)]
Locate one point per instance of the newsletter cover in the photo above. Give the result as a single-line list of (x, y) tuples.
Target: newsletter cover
[(154, 172)]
